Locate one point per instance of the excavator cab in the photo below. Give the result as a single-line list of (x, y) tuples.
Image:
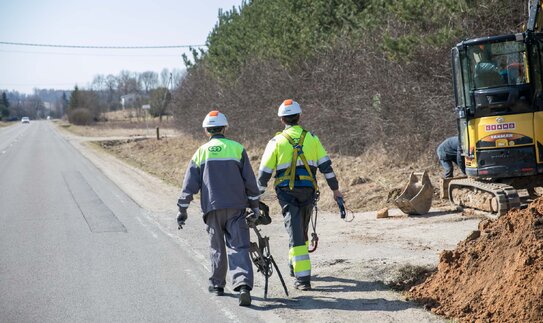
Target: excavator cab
[(498, 92)]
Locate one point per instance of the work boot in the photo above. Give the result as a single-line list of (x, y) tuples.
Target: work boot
[(219, 291), (244, 296), (302, 285)]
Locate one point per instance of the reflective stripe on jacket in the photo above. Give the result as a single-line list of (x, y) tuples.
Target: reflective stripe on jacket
[(278, 157), (221, 170)]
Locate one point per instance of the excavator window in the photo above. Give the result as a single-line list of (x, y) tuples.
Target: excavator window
[(458, 81), (497, 64), (492, 76)]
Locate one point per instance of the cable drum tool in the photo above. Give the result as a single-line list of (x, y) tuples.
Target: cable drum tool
[(259, 251)]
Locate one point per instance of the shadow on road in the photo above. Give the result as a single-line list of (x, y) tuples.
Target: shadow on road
[(347, 285), (435, 213), (328, 296)]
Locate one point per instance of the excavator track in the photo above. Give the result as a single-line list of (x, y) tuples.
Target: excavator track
[(493, 198)]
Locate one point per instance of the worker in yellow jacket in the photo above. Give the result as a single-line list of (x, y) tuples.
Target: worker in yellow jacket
[(295, 154)]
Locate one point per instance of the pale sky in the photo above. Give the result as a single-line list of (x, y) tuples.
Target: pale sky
[(97, 23)]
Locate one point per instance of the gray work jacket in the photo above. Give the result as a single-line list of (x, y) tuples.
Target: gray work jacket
[(221, 171)]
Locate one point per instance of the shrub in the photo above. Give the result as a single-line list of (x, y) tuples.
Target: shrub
[(80, 116)]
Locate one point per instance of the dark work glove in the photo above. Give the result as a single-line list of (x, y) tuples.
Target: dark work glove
[(341, 205), (181, 218), (252, 217)]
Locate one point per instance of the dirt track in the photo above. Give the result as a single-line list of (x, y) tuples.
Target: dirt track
[(349, 267)]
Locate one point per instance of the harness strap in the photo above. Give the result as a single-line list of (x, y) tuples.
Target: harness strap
[(290, 173), (314, 215)]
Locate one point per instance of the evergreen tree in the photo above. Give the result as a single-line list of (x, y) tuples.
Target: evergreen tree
[(291, 31), (75, 99), (64, 103), (4, 106)]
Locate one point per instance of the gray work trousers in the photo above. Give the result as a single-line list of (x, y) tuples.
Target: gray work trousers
[(229, 248)]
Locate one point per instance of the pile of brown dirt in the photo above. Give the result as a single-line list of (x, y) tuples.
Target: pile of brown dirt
[(496, 274)]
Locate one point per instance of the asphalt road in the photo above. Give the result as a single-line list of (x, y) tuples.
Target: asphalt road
[(75, 248)]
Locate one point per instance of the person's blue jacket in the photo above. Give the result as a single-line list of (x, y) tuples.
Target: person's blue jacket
[(449, 152)]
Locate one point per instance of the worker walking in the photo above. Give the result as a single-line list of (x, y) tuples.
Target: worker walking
[(221, 171), (295, 154), (449, 152)]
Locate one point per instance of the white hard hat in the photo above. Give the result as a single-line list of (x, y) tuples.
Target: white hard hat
[(289, 107), (215, 119)]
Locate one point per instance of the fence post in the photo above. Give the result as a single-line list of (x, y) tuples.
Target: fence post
[(157, 133)]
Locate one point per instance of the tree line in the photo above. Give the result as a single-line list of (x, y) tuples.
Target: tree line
[(370, 74), (126, 90), (15, 105), (104, 93)]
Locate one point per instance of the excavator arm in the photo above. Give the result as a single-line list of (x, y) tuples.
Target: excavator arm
[(535, 19)]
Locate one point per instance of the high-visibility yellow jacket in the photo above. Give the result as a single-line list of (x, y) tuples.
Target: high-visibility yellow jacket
[(278, 156)]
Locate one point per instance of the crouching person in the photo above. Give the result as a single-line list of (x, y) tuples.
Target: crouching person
[(221, 171)]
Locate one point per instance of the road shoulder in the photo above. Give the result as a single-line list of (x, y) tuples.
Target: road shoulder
[(352, 261)]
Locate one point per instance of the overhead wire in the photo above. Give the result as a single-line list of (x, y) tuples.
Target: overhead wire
[(99, 47), (87, 54)]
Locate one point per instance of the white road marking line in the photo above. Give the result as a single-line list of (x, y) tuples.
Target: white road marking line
[(140, 221), (149, 228), (216, 300)]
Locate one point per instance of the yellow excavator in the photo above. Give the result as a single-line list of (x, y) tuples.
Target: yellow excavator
[(498, 88)]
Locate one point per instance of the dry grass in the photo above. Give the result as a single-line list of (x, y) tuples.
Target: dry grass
[(167, 158), (369, 181), (108, 130)]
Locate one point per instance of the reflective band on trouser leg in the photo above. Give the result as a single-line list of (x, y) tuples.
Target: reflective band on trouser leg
[(291, 253), (299, 257)]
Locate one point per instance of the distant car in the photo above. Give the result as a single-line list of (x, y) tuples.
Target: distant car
[(25, 120)]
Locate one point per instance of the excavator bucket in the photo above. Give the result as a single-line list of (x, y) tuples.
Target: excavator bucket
[(416, 197)]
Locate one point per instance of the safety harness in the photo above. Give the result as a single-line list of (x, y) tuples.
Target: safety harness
[(290, 176), (290, 173)]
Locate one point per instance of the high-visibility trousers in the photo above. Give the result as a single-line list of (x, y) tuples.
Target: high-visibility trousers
[(297, 205)]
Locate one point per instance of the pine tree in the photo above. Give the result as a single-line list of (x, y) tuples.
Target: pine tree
[(64, 104), (4, 106), (75, 99)]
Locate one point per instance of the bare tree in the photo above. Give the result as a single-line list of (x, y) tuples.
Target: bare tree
[(177, 77), (164, 77), (113, 97), (34, 107), (159, 99), (111, 82), (127, 82), (98, 83), (149, 80)]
